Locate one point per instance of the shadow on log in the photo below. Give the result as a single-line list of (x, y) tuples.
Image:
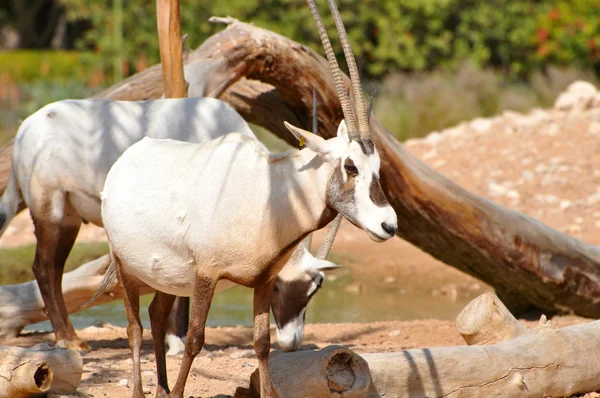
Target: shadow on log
[(541, 362), (269, 78)]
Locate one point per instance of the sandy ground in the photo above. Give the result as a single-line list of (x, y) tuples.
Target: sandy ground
[(544, 164)]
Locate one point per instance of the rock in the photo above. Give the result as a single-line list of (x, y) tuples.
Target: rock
[(123, 383), (481, 125), (242, 354), (565, 204), (579, 95), (394, 333)]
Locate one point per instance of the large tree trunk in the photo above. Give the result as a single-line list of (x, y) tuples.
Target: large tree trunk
[(527, 262)]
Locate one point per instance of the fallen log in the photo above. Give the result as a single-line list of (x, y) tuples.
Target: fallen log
[(22, 303), (510, 361), (334, 371), (527, 262), (29, 372), (541, 362), (486, 320)]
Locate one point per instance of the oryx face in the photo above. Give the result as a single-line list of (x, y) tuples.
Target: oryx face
[(354, 189), (295, 286)]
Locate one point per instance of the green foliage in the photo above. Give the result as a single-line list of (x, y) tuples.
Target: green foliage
[(16, 263), (387, 35), (568, 32), (25, 66)]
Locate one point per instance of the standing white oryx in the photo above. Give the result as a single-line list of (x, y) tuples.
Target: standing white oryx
[(61, 157), (185, 218)]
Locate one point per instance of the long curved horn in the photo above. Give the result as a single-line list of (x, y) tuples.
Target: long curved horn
[(337, 74), (328, 242), (359, 101), (307, 242)]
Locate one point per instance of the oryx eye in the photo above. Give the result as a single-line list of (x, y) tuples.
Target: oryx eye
[(350, 167)]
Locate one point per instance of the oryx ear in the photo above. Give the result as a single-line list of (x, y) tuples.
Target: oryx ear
[(309, 139), (342, 131), (323, 265)]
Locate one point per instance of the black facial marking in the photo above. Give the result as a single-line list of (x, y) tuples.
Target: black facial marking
[(350, 167), (290, 298), (367, 146), (376, 193)]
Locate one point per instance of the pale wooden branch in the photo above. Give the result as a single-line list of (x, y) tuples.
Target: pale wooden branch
[(29, 372), (486, 320), (548, 363), (332, 371), (22, 304)]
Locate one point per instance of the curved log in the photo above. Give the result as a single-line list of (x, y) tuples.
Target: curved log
[(525, 260)]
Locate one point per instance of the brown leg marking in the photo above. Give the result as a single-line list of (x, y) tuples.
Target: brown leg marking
[(131, 300), (262, 336), (179, 319), (204, 288), (54, 243), (159, 314)]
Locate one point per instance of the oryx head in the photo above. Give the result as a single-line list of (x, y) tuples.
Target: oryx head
[(354, 189), (296, 285)]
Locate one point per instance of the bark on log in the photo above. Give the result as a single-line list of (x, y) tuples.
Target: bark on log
[(522, 258), (549, 362), (28, 372), (334, 371), (486, 320), (22, 304)]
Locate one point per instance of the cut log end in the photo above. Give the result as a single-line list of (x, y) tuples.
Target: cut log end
[(43, 377), (486, 320)]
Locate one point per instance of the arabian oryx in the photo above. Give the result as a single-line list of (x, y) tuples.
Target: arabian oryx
[(185, 218), (61, 156)]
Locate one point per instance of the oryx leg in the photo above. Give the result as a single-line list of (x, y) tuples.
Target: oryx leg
[(159, 314), (262, 336), (177, 325), (55, 239), (204, 289), (131, 300)]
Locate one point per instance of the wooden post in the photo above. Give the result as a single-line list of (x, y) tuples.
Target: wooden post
[(171, 48)]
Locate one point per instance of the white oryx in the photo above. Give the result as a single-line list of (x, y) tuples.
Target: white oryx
[(185, 218), (61, 157)]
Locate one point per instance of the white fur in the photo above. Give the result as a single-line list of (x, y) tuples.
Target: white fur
[(69, 146), (63, 151), (291, 334)]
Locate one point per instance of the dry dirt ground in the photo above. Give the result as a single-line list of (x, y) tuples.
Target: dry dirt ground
[(545, 164)]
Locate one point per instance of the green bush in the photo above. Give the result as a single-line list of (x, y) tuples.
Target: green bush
[(518, 37)]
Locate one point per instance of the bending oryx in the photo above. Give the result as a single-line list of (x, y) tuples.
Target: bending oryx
[(187, 218), (295, 285), (61, 156)]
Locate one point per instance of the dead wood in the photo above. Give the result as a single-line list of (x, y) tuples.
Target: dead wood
[(486, 320), (527, 262), (22, 304), (29, 372), (334, 371)]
